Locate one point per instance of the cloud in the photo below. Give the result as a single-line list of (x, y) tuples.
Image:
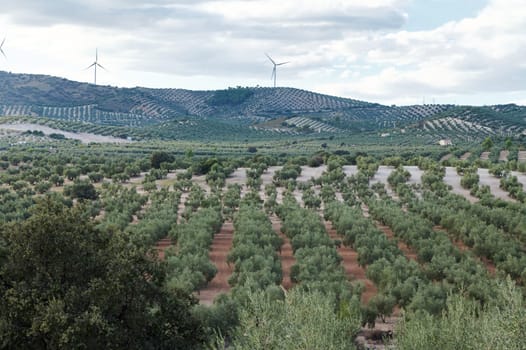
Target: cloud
[(345, 47)]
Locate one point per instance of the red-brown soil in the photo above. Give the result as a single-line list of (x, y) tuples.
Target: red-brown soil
[(408, 252), (162, 245), (218, 255), (350, 263), (285, 254), (464, 248)]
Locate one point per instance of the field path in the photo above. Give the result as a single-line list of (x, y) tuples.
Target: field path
[(352, 268), (285, 254), (408, 252), (218, 255), (162, 245), (464, 248)]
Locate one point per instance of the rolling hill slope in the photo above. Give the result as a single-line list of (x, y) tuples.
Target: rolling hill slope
[(241, 112)]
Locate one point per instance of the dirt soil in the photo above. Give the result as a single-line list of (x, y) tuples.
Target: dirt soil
[(218, 255), (308, 172), (503, 156), (464, 248), (521, 177), (494, 184), (453, 179), (446, 157), (484, 155), (465, 156), (285, 254), (82, 136), (239, 176), (350, 263), (268, 175), (162, 245), (408, 252), (416, 174)]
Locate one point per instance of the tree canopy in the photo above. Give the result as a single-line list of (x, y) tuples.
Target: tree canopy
[(66, 284)]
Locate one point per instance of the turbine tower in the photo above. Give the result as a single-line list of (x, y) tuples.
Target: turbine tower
[(274, 70), (95, 65), (1, 50)]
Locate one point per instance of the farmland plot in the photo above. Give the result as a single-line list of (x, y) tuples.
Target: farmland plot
[(416, 174), (465, 156), (221, 245), (484, 155), (350, 170), (308, 172), (82, 136), (381, 177), (352, 268), (268, 175), (453, 179), (494, 184)]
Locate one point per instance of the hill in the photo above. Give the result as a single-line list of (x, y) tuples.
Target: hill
[(240, 112)]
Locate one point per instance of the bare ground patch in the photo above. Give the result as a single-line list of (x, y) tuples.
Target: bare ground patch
[(503, 156), (453, 179), (286, 255), (494, 184), (352, 268), (218, 255)]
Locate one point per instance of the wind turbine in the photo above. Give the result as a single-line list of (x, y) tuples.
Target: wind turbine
[(2, 51), (96, 64), (273, 76)]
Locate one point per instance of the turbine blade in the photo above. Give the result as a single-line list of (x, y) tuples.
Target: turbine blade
[(270, 58), (91, 65), (1, 50), (280, 64), (101, 66)]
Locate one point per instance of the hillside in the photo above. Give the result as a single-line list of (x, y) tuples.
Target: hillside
[(258, 112)]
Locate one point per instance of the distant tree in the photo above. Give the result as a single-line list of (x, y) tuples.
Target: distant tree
[(81, 190), (231, 96), (95, 177), (72, 173), (159, 157), (487, 144), (252, 149)]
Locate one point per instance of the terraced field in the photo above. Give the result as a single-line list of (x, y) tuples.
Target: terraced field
[(182, 114)]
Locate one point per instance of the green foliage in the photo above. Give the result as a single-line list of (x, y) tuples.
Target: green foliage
[(466, 325), (83, 190), (304, 320), (66, 284), (231, 96), (254, 252), (191, 269), (487, 143)]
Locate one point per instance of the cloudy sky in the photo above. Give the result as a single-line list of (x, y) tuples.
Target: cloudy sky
[(386, 51)]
